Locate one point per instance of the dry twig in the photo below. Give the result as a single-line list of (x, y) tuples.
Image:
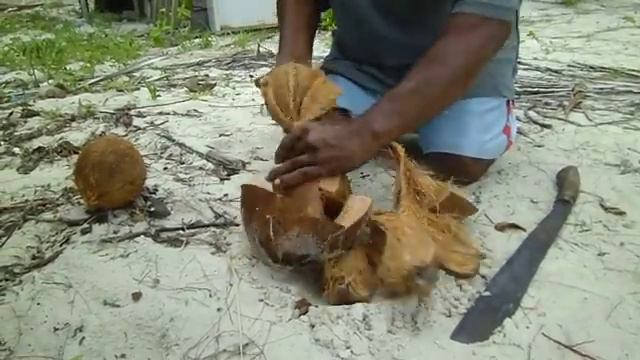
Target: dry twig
[(571, 348), (224, 166), (154, 234)]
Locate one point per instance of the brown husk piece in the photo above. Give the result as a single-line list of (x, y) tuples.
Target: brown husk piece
[(350, 276), (109, 173), (408, 251), (297, 93)]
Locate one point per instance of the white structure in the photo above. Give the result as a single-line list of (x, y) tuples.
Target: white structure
[(241, 14)]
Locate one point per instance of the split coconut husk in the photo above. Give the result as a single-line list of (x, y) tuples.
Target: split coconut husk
[(407, 245), (361, 252), (420, 200), (109, 173)]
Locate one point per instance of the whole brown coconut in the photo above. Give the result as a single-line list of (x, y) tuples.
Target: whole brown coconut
[(109, 173)]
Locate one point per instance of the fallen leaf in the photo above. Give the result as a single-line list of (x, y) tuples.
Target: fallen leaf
[(125, 118), (136, 296), (505, 226), (110, 303), (612, 209), (302, 306)]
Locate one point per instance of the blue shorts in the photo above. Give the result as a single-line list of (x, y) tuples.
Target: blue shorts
[(483, 127)]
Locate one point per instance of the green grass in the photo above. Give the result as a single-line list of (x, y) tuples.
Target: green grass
[(52, 48), (570, 2), (246, 38), (328, 21), (37, 42)]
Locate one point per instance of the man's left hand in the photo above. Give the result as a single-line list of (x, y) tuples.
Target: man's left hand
[(331, 146)]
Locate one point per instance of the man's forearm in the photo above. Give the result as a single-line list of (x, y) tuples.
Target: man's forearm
[(297, 21), (439, 78)]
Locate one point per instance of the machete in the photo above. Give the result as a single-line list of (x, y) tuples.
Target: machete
[(505, 290)]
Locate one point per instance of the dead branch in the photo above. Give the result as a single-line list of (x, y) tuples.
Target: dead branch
[(569, 347), (225, 167), (125, 71), (18, 7), (154, 234)]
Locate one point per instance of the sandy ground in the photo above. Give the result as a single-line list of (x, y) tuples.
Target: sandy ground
[(204, 296)]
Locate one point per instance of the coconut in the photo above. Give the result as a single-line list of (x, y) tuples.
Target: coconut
[(109, 173), (299, 226), (360, 251)]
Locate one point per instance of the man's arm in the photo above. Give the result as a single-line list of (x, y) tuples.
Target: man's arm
[(439, 78), (297, 22)]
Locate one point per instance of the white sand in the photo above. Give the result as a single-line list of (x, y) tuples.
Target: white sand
[(210, 299)]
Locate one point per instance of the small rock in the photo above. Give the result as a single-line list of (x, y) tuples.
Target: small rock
[(191, 84), (157, 209), (75, 215), (86, 229), (345, 354), (302, 306), (136, 296), (195, 85), (49, 92)]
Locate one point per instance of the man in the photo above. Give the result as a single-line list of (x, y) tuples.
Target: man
[(442, 68)]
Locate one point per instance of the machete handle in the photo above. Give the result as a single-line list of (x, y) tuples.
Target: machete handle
[(568, 181)]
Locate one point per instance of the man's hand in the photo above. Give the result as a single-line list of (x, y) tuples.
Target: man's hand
[(331, 146)]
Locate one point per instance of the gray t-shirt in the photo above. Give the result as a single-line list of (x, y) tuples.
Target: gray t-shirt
[(377, 41)]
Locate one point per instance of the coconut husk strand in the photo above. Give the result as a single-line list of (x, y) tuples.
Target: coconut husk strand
[(109, 173)]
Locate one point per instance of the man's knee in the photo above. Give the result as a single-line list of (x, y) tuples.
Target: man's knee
[(461, 169)]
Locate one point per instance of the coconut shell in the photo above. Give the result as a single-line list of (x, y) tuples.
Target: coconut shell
[(280, 227), (293, 94), (334, 192), (109, 173)]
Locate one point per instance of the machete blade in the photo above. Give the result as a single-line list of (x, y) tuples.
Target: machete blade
[(502, 296)]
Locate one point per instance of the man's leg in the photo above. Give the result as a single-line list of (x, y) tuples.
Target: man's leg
[(465, 140), (460, 144), (463, 170), (353, 98)]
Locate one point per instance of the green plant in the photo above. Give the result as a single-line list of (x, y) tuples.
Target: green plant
[(171, 28), (571, 2), (58, 49), (153, 90), (328, 21)]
